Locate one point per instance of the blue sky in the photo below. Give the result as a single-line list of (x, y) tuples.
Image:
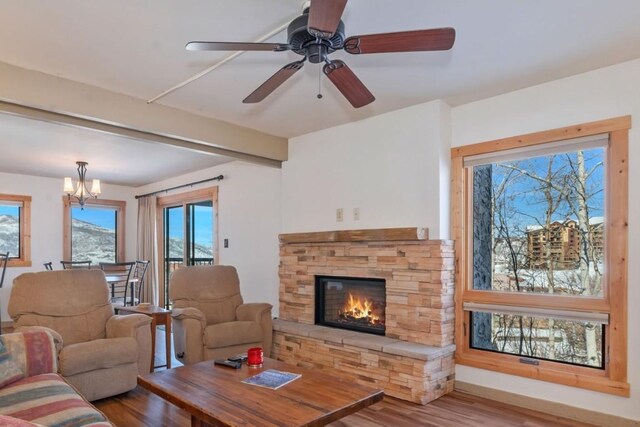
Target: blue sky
[(103, 217), (203, 224), (530, 205), (9, 210)]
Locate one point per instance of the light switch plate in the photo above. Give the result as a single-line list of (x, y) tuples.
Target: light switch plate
[(339, 215)]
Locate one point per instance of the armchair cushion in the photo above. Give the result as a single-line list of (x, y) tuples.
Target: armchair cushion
[(97, 354), (214, 290), (75, 303), (232, 333)]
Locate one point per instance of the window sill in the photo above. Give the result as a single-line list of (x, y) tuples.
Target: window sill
[(18, 263), (573, 376)]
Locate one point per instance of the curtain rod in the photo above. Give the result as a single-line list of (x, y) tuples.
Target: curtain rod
[(191, 184)]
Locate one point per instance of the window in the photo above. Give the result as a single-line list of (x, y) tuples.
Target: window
[(188, 224), (15, 229), (95, 233), (540, 228)]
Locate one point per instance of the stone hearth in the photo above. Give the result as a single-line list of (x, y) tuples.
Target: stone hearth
[(414, 361)]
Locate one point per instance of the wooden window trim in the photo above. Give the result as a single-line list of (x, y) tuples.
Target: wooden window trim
[(181, 199), (613, 379), (24, 258), (119, 205)]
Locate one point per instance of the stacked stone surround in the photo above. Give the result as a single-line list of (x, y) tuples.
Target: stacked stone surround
[(414, 361)]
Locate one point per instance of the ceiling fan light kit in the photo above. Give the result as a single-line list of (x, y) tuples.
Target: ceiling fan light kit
[(319, 32)]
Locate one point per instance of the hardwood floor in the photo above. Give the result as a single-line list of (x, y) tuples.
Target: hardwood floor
[(140, 408)]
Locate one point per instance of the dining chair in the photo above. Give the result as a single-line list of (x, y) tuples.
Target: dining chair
[(118, 275), (139, 274), (4, 260), (69, 265), (48, 266)]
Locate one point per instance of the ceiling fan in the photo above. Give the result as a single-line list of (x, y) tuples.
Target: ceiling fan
[(319, 32)]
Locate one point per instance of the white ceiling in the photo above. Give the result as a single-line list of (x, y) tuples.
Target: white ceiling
[(137, 48), (54, 149)]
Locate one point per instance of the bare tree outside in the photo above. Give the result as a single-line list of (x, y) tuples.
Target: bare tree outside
[(546, 236)]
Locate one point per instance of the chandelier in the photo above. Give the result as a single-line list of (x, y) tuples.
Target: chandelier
[(80, 191)]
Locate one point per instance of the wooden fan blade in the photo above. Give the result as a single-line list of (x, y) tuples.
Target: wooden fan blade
[(404, 41), (348, 83), (324, 17), (277, 47), (273, 82)]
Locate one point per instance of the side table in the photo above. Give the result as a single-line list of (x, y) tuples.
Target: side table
[(159, 316)]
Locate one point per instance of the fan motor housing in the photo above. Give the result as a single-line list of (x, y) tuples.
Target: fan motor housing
[(305, 44)]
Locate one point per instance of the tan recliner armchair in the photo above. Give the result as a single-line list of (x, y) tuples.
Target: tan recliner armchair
[(100, 354), (209, 319)]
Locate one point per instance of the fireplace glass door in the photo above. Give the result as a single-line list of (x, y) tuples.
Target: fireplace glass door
[(351, 303)]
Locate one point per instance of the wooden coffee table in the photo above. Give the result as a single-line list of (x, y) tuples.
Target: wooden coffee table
[(215, 395)]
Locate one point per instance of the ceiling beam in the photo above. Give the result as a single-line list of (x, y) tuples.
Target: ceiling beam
[(46, 97)]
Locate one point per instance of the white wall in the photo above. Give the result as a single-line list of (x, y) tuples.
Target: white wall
[(46, 222), (597, 95), (249, 216), (394, 167)]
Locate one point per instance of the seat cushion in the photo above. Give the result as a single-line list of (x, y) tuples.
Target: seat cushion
[(47, 399), (97, 354), (232, 333)]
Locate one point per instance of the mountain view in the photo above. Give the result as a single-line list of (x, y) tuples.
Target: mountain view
[(89, 241), (9, 234)]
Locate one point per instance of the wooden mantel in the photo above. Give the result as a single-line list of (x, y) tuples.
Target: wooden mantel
[(372, 235)]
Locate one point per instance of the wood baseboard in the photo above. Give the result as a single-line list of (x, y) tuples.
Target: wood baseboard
[(546, 406)]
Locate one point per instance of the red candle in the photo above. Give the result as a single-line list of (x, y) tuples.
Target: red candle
[(255, 357)]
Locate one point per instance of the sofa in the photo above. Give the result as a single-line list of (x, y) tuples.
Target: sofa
[(31, 392), (100, 354), (209, 318)]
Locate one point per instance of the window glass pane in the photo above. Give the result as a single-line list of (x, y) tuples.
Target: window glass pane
[(10, 230), (578, 343), (93, 234), (202, 232), (538, 224), (174, 223)]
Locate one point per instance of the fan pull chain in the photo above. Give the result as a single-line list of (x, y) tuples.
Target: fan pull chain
[(319, 82)]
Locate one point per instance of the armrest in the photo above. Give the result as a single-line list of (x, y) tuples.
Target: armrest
[(126, 326), (138, 327), (57, 338), (189, 313), (253, 311), (188, 324), (33, 350), (261, 314)]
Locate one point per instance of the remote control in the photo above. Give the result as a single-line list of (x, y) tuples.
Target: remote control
[(238, 358), (228, 363)]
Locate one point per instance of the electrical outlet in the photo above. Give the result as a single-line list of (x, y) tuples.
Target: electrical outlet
[(339, 215), (356, 214)]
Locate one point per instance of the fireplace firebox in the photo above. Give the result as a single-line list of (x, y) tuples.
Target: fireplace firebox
[(351, 303)]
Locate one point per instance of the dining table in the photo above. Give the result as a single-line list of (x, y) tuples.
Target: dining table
[(112, 280)]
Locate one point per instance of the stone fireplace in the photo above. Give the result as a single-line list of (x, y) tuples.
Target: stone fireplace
[(412, 358)]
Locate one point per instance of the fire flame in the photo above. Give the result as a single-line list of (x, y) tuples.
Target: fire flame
[(354, 308)]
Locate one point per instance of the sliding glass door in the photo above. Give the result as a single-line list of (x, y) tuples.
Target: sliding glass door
[(188, 234)]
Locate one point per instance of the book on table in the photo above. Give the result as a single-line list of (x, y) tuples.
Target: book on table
[(272, 378)]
